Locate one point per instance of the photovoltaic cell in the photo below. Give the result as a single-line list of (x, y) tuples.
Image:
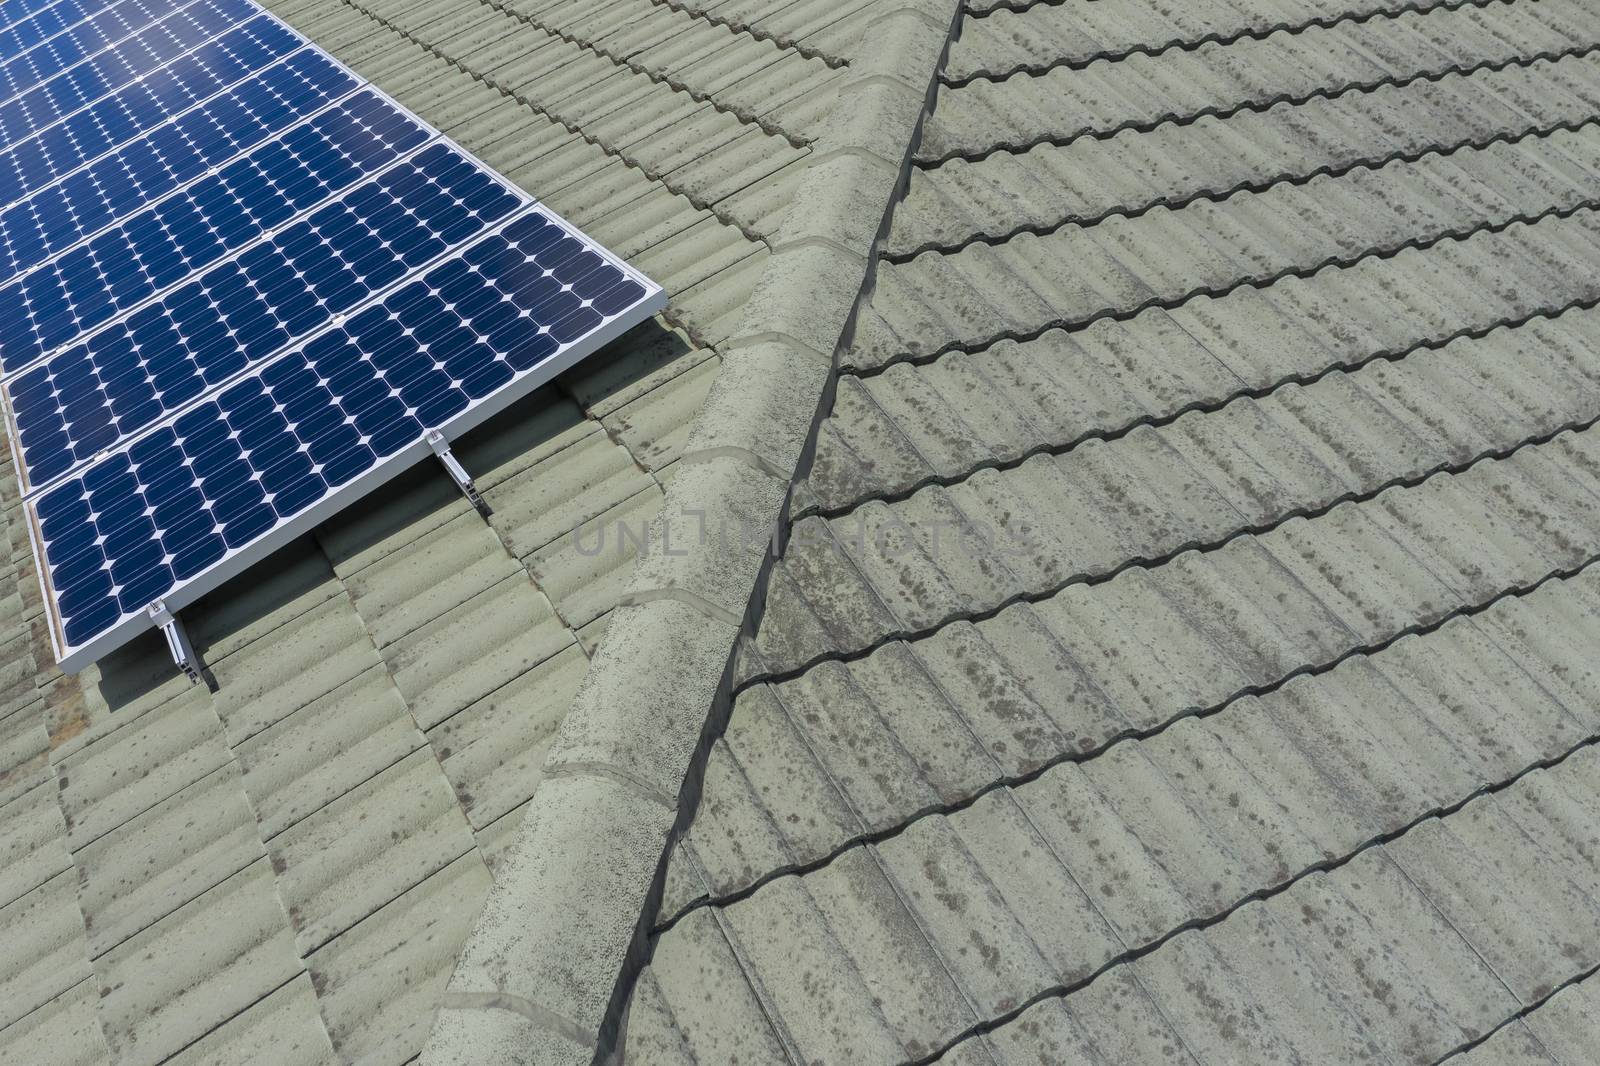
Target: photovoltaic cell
[(22, 71), (34, 29), (124, 377), (229, 120), (107, 71), (15, 11), (268, 449), (206, 221)]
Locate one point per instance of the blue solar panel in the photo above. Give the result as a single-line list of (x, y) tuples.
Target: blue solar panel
[(34, 29), (267, 450), (209, 219), (15, 11), (228, 121), (76, 404), (129, 60), (241, 289), (75, 43)]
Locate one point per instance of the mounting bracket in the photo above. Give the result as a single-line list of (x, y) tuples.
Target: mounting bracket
[(177, 640), (457, 472)]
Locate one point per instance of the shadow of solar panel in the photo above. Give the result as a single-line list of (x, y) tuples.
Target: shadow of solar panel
[(243, 289)]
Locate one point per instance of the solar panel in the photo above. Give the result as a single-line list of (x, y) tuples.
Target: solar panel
[(192, 228), (38, 28), (204, 107), (14, 11), (70, 44), (244, 288), (122, 64)]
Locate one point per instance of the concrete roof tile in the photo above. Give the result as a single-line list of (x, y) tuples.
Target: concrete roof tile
[(1514, 1045), (1134, 893), (561, 492), (493, 749), (1554, 812), (1067, 927), (340, 864), (877, 775), (860, 451), (1356, 570), (1465, 882), (395, 515), (987, 950), (1306, 1005), (496, 839), (326, 748), (982, 294), (1219, 1009), (556, 945), (1256, 818), (1364, 928), (819, 24), (44, 944), (1390, 761), (429, 576), (702, 981), (1033, 655), (995, 703), (1323, 723), (243, 611), (655, 426), (32, 842), (683, 883), (132, 769), (474, 649), (652, 1034), (1390, 921), (765, 778), (303, 660), (196, 968), (885, 945), (586, 570), (154, 863), (1559, 1023), (379, 983), (65, 1031), (24, 664), (744, 839), (1051, 1030), (1260, 734), (24, 751), (283, 1025)]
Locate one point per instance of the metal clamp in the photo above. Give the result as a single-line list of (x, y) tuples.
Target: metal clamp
[(177, 640), (457, 472)]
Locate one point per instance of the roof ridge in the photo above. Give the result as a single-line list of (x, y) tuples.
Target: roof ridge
[(566, 925)]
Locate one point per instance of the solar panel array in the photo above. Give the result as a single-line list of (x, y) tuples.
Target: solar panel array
[(244, 287)]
